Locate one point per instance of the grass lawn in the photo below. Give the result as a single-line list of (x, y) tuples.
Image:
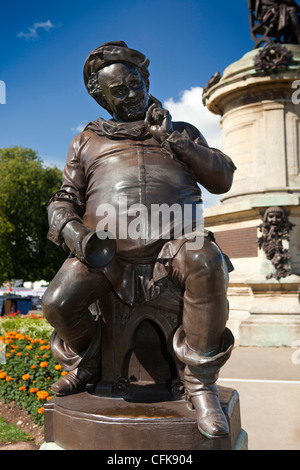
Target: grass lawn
[(10, 433)]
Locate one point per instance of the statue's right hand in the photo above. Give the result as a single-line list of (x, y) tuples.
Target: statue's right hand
[(73, 234), (158, 121)]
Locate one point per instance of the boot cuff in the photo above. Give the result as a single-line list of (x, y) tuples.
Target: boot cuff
[(192, 358), (69, 360)]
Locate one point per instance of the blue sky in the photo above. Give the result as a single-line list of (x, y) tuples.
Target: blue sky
[(44, 46)]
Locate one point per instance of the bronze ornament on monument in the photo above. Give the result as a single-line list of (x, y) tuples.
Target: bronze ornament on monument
[(274, 21), (275, 230), (139, 308)]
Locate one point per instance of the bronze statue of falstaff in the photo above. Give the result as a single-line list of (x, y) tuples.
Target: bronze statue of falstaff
[(142, 155)]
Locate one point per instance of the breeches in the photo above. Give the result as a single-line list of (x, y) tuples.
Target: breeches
[(200, 275)]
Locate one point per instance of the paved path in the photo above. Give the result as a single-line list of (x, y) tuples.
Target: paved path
[(268, 382)]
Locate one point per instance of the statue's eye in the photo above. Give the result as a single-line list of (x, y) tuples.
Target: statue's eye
[(135, 84), (119, 91)]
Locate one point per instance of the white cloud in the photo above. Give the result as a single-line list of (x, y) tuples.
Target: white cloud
[(191, 109), (79, 128), (33, 30)]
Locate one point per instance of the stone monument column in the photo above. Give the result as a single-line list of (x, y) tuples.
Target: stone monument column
[(260, 121)]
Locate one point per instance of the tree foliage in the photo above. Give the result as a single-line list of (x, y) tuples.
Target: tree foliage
[(26, 186)]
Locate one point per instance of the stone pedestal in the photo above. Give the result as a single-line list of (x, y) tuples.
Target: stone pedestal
[(89, 422), (260, 130)]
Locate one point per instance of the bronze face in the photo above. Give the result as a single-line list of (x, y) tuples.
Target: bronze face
[(274, 218), (125, 91)]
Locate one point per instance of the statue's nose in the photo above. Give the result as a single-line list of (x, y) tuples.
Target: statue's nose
[(132, 93)]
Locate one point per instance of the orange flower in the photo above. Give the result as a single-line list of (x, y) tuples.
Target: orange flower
[(2, 375), (64, 373), (44, 364), (26, 377), (33, 367), (29, 347), (22, 388), (42, 395), (8, 379), (19, 336), (34, 390), (19, 354), (41, 410), (58, 367), (7, 354)]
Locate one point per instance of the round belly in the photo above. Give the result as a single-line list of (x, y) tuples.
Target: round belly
[(143, 199)]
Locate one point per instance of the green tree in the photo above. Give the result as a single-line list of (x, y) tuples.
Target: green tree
[(26, 186)]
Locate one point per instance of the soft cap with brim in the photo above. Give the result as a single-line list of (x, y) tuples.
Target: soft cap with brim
[(110, 53)]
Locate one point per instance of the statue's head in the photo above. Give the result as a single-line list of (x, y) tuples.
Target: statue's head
[(118, 79), (274, 216)]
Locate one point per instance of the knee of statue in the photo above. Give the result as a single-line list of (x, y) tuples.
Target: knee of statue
[(206, 259), (46, 307), (50, 306)]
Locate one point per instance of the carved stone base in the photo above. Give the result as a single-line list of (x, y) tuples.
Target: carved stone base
[(89, 422)]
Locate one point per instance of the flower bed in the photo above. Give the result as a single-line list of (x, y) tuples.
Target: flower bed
[(27, 368)]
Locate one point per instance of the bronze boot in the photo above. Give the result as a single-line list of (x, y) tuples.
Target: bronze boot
[(74, 382), (83, 369), (202, 394), (200, 376)]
